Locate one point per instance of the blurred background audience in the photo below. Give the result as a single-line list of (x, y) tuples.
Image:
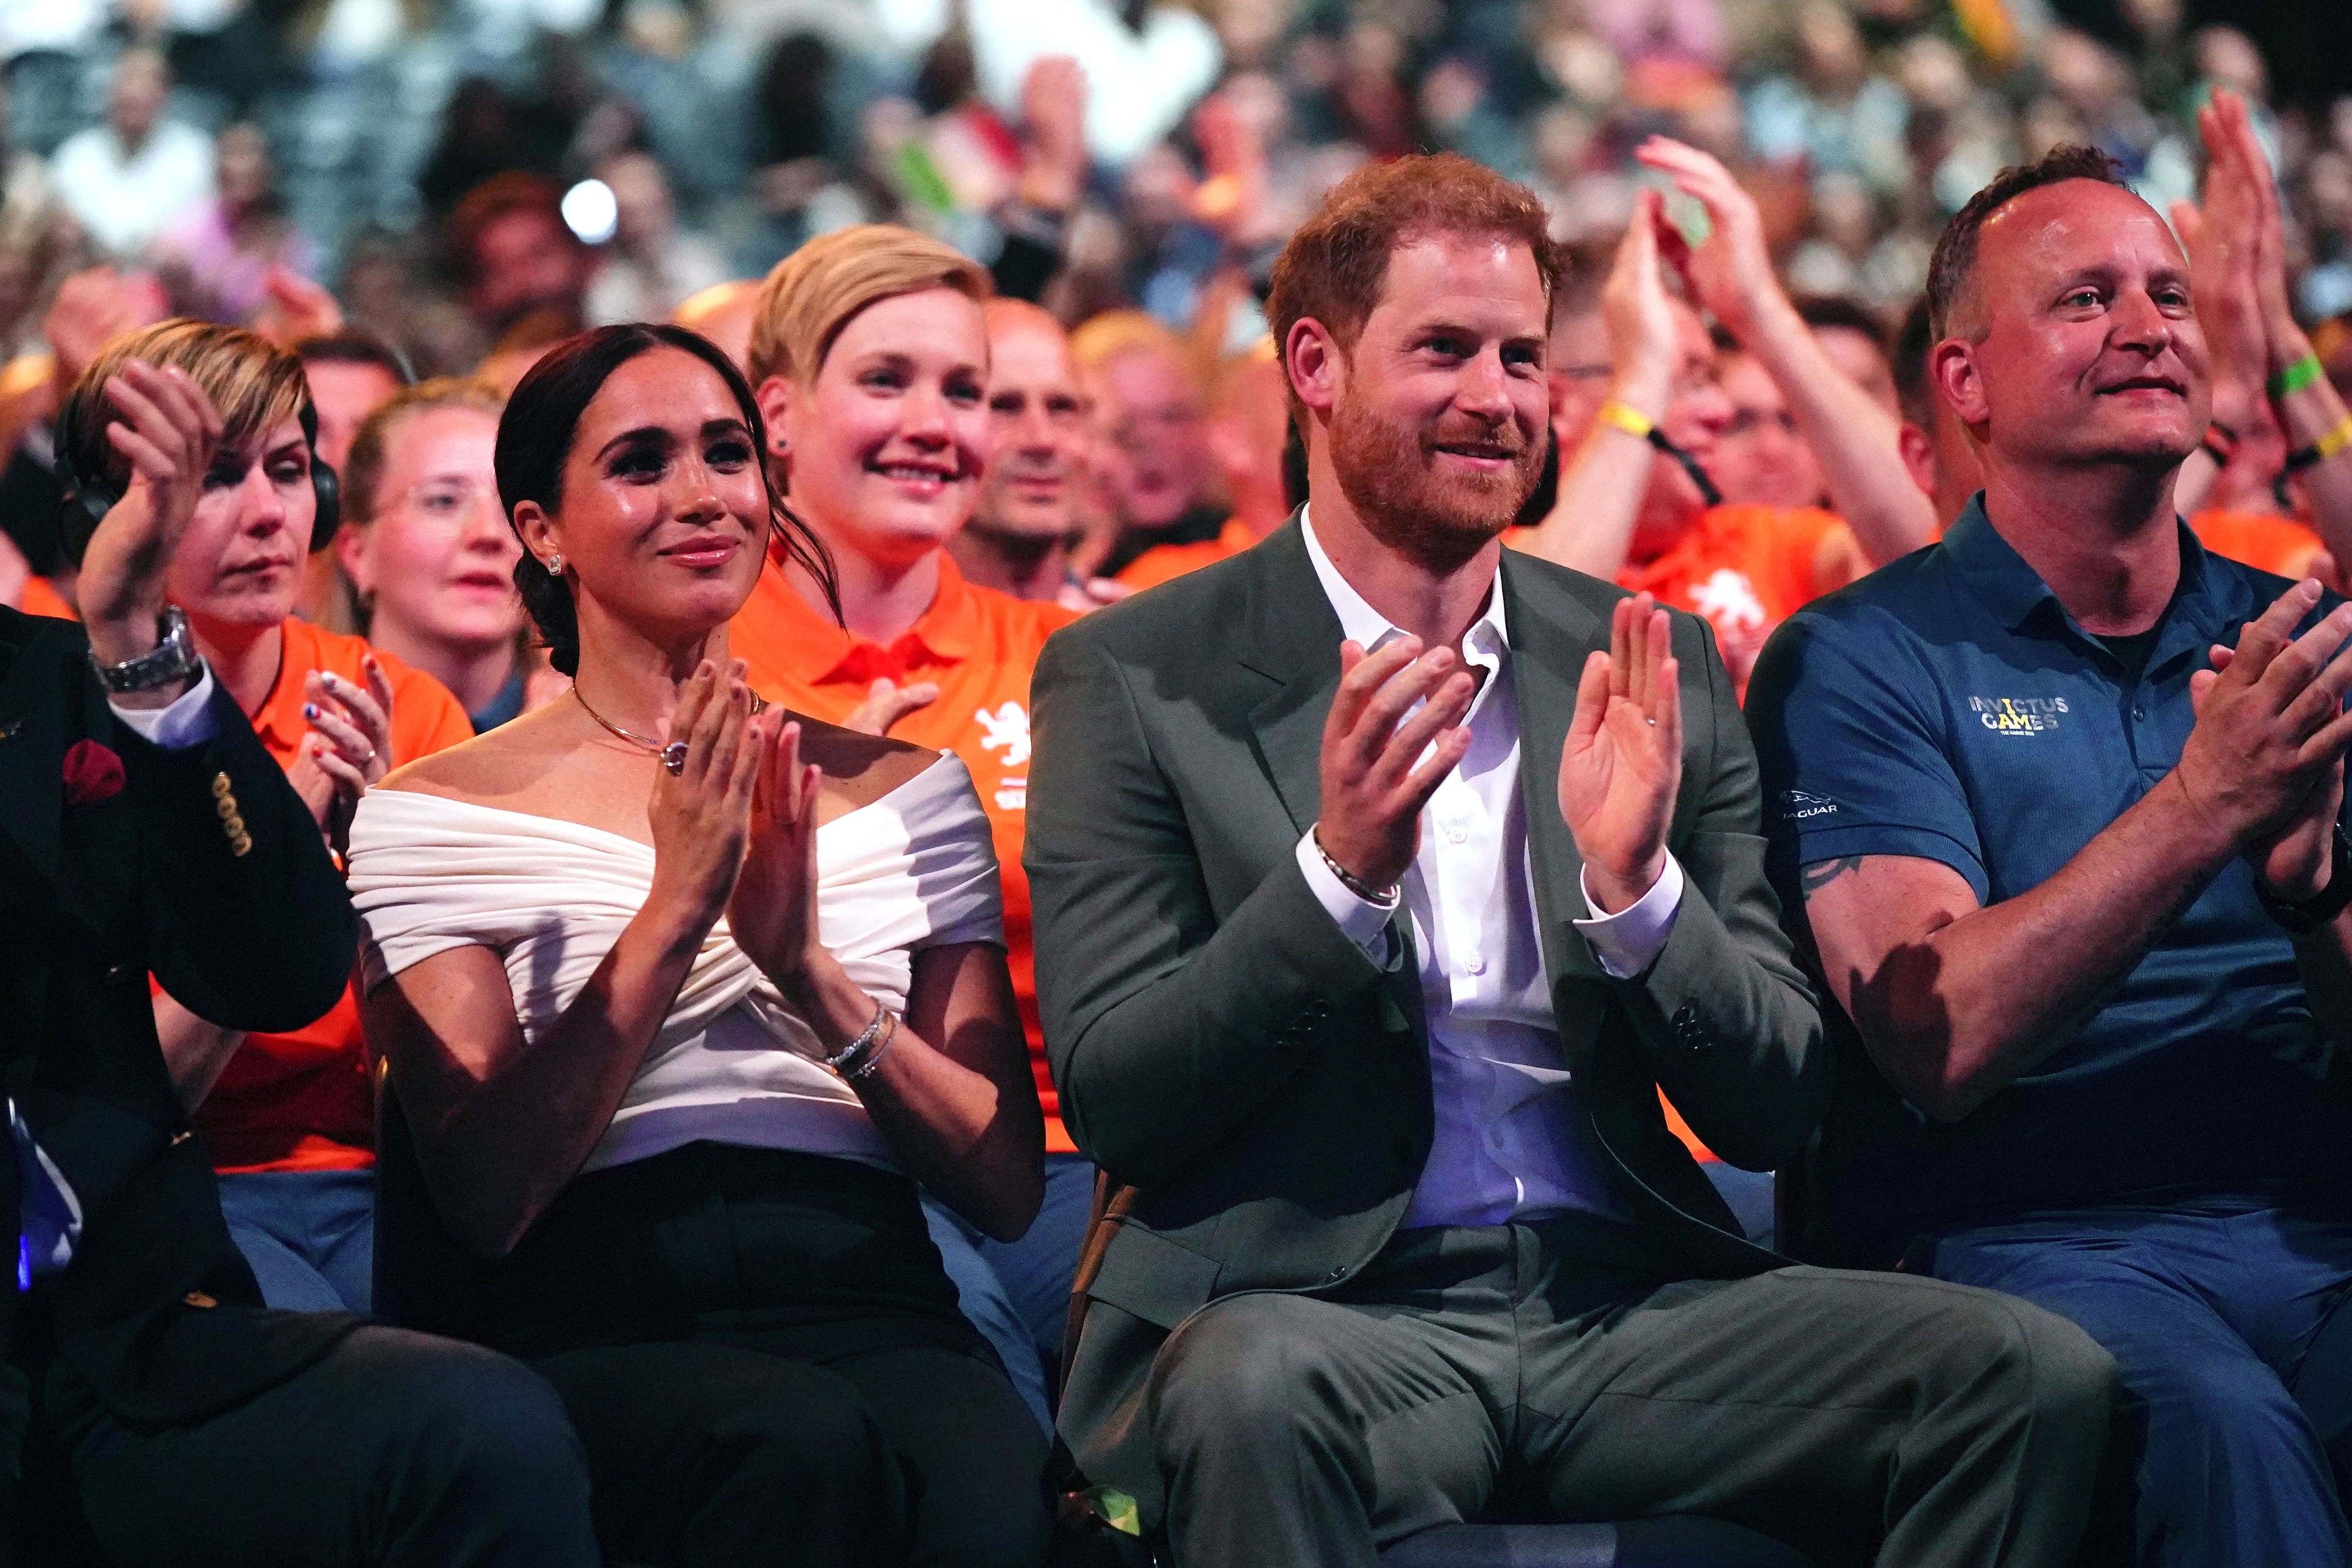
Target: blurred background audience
[(466, 184)]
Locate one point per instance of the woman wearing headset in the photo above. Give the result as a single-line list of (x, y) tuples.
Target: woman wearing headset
[(290, 1118)]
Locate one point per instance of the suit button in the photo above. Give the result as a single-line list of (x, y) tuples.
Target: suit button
[(240, 846), (225, 806), (220, 786), (199, 1300)]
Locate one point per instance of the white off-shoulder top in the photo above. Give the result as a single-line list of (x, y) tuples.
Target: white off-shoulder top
[(733, 1062)]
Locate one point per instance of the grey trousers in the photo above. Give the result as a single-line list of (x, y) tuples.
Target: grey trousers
[(1547, 1371)]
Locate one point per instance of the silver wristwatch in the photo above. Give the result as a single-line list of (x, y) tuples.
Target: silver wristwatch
[(173, 659)]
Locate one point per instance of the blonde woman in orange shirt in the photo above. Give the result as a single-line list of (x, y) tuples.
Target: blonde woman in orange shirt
[(870, 355)]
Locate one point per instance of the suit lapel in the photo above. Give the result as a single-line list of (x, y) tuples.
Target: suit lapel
[(1291, 637), (1552, 633)]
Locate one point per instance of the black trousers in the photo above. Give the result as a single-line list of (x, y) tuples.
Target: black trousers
[(394, 1450), (764, 1359)]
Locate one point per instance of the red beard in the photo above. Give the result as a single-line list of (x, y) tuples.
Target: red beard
[(1386, 472)]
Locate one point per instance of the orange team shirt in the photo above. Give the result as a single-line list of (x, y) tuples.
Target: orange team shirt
[(301, 1102), (1744, 568), (978, 646), (2266, 541), (42, 598), (1163, 563)]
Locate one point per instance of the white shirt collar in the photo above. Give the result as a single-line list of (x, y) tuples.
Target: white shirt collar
[(1488, 641)]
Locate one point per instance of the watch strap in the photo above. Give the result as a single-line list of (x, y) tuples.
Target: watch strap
[(171, 660), (2301, 919)]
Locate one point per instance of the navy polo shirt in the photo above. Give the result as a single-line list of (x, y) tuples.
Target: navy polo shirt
[(1947, 707)]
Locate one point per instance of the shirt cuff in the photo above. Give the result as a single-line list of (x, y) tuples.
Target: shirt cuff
[(188, 721), (1630, 941), (1362, 922)]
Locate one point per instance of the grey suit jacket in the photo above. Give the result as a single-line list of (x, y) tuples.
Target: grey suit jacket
[(1257, 1089)]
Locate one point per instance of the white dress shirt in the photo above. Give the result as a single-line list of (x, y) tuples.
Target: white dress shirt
[(1508, 1144)]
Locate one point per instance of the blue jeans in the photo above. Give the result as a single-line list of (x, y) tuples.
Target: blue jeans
[(308, 1236), (2222, 1313), (1017, 1293)]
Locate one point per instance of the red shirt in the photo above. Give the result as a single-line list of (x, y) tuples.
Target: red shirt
[(301, 1102), (978, 646)]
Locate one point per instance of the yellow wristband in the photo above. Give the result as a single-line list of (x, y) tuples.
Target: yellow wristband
[(2335, 440), (1631, 421)]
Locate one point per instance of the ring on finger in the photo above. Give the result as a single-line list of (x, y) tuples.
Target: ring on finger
[(673, 757)]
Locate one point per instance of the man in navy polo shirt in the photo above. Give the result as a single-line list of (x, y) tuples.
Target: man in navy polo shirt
[(2079, 895)]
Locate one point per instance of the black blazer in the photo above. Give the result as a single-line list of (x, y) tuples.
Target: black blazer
[(1257, 1087), (157, 1309)]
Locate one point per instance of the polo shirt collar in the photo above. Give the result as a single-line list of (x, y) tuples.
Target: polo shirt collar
[(2015, 593), (947, 631)]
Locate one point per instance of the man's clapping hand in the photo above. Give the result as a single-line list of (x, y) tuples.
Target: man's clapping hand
[(1622, 765), (1374, 778), (2265, 760)]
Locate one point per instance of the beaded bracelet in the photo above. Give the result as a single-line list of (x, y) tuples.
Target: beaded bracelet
[(874, 1060), (1379, 898), (864, 1040)]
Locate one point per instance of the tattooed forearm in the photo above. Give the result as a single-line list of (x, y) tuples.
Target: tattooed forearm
[(1811, 879)]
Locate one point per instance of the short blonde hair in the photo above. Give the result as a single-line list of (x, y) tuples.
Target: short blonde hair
[(1101, 339), (363, 474), (252, 382), (812, 293)]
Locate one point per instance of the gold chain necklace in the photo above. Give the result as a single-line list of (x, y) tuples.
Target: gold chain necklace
[(673, 756)]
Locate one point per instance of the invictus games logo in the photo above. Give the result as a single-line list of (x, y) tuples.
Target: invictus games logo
[(2018, 716)]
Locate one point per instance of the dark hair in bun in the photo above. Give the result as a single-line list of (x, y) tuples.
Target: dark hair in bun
[(535, 436)]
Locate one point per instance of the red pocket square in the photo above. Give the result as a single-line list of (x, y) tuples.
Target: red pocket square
[(93, 773)]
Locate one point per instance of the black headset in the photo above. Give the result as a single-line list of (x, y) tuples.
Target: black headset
[(89, 497)]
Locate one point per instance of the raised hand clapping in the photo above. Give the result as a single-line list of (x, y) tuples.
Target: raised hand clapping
[(1622, 765)]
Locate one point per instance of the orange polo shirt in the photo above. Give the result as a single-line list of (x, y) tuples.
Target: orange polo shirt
[(2266, 541), (301, 1102), (978, 646), (1744, 569), (1161, 563)]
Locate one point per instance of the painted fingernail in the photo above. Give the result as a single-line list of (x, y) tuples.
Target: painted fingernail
[(309, 710)]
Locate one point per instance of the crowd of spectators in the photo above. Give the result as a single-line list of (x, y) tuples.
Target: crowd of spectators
[(1060, 391), (353, 142)]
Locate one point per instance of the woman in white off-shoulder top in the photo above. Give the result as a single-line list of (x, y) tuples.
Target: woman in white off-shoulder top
[(678, 999)]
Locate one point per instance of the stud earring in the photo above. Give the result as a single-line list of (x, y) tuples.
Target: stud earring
[(555, 564)]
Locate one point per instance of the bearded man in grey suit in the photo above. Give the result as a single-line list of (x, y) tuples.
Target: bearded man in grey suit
[(1383, 878)]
